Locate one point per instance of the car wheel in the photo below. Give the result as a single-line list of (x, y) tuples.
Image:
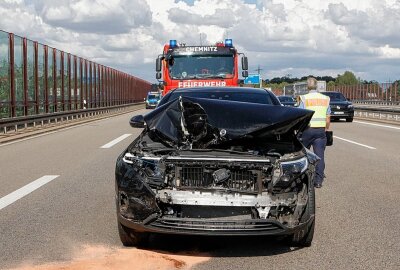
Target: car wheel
[(131, 238), (349, 119), (303, 238)]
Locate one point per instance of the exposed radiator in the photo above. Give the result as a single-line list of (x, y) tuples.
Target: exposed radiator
[(191, 176)]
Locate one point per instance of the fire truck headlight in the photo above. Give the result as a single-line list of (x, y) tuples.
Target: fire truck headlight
[(228, 42), (173, 43)]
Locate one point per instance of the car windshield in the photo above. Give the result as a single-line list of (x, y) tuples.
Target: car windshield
[(335, 96), (186, 67), (261, 98), (286, 99), (153, 97)]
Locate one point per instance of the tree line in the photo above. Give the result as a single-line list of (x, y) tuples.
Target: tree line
[(347, 78)]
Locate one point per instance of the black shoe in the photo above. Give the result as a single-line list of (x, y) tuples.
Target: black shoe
[(318, 185)]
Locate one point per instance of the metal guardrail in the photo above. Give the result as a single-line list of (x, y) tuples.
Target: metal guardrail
[(388, 114), (377, 102), (373, 93), (385, 109), (16, 123)]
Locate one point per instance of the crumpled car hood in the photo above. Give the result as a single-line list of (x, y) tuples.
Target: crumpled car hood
[(195, 120)]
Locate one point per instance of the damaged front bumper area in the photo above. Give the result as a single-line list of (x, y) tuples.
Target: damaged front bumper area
[(218, 167), (213, 196)]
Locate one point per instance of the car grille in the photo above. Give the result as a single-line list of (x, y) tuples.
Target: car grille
[(339, 108), (231, 227), (244, 180)]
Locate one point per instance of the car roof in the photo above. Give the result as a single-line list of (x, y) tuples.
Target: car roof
[(249, 90)]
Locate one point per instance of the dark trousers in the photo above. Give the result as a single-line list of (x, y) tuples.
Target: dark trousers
[(316, 138)]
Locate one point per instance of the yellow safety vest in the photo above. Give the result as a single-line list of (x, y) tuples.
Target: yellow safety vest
[(319, 104)]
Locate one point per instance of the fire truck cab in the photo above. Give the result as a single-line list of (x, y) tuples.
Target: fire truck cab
[(183, 66)]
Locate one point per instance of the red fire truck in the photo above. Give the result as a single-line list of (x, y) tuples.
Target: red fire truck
[(196, 66)]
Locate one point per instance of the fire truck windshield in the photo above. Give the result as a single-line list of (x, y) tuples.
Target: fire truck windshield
[(188, 67)]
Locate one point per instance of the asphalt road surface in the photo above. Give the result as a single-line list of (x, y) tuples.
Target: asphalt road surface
[(67, 204)]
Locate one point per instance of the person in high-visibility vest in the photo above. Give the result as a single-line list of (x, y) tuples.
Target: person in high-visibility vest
[(315, 135)]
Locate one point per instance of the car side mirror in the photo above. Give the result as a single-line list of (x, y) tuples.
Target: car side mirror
[(137, 121), (158, 64), (245, 63), (245, 73)]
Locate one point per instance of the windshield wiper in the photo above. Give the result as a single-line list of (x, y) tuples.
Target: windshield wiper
[(214, 76), (185, 78)]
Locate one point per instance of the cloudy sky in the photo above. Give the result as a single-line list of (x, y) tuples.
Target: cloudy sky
[(296, 37)]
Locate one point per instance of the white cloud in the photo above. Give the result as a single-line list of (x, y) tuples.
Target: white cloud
[(377, 25), (301, 36), (388, 52), (101, 16), (222, 17)]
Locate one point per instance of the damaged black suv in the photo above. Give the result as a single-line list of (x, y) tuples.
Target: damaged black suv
[(217, 161)]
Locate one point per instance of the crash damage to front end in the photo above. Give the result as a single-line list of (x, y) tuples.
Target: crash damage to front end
[(217, 167)]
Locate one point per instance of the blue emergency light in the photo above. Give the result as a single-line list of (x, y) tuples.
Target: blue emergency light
[(228, 42), (173, 43)]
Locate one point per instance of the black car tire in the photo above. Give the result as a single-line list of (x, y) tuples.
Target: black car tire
[(131, 238), (349, 119), (303, 238)]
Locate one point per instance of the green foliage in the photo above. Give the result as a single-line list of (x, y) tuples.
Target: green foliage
[(290, 80), (4, 89), (4, 82), (331, 85), (278, 86), (348, 78)]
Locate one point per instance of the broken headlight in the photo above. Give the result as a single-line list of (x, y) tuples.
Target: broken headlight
[(131, 159), (149, 168), (286, 171)]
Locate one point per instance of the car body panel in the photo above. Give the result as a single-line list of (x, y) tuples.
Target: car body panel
[(212, 116)]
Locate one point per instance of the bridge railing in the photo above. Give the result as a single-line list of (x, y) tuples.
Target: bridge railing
[(375, 93), (38, 79)]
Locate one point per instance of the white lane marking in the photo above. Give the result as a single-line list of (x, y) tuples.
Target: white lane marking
[(115, 141), (378, 125), (350, 141), (25, 190)]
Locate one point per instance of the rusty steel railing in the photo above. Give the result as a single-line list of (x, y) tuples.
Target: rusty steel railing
[(36, 79), (373, 93)]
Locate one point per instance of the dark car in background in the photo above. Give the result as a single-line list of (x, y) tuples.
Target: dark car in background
[(217, 161), (287, 100), (341, 108)]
